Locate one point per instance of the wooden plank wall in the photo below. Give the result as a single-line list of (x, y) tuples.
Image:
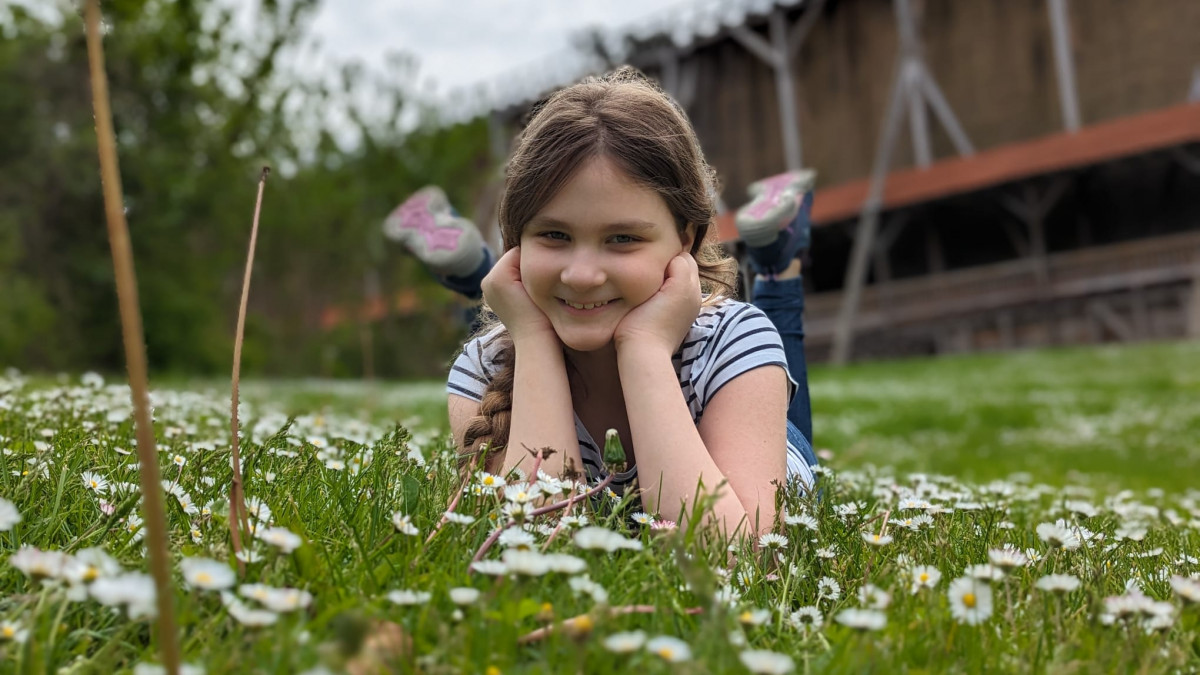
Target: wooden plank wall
[(992, 58)]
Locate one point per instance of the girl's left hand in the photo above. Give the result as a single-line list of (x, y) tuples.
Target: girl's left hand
[(664, 319)]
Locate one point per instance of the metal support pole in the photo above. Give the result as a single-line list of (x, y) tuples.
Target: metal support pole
[(1065, 63), (785, 91), (912, 84)]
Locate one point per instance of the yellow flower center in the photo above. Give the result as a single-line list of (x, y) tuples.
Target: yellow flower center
[(8, 631), (95, 485), (746, 617), (204, 577), (969, 600), (665, 652), (492, 670), (924, 577), (91, 574)]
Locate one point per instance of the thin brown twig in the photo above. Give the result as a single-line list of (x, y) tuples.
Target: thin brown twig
[(133, 334), (238, 518)]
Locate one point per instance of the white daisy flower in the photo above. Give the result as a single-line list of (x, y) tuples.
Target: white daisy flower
[(490, 481), (828, 589), (13, 632), (626, 642), (521, 493), (773, 542), (38, 564), (862, 619), (1058, 583), (877, 539), (669, 649), (464, 595), (642, 518), (95, 482), (1187, 589), (9, 515), (1058, 536), (754, 617), (516, 539), (925, 576), (490, 567), (874, 597), (763, 661), (1007, 558), (406, 597), (970, 600), (459, 518), (807, 618), (404, 525), (802, 520), (207, 574), (281, 538), (604, 539)]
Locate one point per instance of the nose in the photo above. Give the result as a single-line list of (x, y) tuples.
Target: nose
[(583, 271)]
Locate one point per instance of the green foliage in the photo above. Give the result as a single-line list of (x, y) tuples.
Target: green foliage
[(199, 106)]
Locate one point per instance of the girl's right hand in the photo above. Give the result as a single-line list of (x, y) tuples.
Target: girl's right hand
[(505, 294)]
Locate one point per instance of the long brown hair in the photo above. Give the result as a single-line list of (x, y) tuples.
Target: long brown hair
[(627, 119)]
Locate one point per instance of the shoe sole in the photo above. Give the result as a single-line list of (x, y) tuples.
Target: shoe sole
[(448, 244), (776, 201)]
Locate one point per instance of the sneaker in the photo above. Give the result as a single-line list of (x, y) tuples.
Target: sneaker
[(776, 224), (426, 224)]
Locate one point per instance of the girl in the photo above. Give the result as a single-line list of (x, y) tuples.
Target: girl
[(601, 316)]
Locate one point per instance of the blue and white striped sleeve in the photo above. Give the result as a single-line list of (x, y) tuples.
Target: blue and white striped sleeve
[(745, 340), (473, 369)]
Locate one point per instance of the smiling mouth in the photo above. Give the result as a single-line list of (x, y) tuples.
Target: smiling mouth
[(590, 305)]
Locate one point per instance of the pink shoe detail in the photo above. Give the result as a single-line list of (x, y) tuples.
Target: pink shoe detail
[(773, 188), (414, 215)]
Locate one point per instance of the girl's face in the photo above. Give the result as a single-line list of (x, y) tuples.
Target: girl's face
[(602, 240)]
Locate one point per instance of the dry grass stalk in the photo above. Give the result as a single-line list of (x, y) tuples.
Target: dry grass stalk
[(238, 518), (135, 348)]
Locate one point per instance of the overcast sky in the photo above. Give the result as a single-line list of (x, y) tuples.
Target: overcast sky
[(463, 42)]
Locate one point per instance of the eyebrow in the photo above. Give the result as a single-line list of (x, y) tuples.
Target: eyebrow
[(634, 225)]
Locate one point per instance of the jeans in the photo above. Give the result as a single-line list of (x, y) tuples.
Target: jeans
[(783, 303)]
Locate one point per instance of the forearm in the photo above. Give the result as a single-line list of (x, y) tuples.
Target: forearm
[(671, 456), (542, 415)]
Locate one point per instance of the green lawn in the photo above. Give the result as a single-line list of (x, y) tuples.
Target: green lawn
[(994, 471)]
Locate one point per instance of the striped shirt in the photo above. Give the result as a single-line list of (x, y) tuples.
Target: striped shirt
[(727, 339)]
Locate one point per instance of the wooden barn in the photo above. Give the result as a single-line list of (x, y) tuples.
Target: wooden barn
[(992, 174)]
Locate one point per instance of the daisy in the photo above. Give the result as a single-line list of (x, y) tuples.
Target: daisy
[(1188, 589), (970, 600), (802, 520), (925, 576), (1058, 583), (662, 525), (490, 481), (1007, 558), (754, 617), (827, 553), (877, 539), (670, 649), (604, 539), (874, 597), (464, 595), (862, 619), (564, 563), (529, 563), (207, 574), (763, 661), (403, 524), (490, 567), (459, 518), (405, 597), (9, 515), (38, 564), (829, 589), (1058, 535), (286, 599), (626, 642), (280, 537), (984, 572), (95, 482), (516, 539), (642, 518), (806, 618), (132, 590), (248, 616), (13, 632), (773, 542), (521, 493)]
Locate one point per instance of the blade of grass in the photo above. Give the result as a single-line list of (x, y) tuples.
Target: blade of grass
[(135, 348)]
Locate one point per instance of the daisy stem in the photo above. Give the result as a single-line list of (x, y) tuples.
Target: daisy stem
[(455, 499), (537, 512)]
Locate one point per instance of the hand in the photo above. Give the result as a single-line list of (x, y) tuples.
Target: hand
[(663, 321), (505, 294)]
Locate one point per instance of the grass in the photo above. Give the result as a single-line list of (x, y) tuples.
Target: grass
[(1104, 439)]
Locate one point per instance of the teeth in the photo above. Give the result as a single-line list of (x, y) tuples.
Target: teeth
[(590, 306)]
